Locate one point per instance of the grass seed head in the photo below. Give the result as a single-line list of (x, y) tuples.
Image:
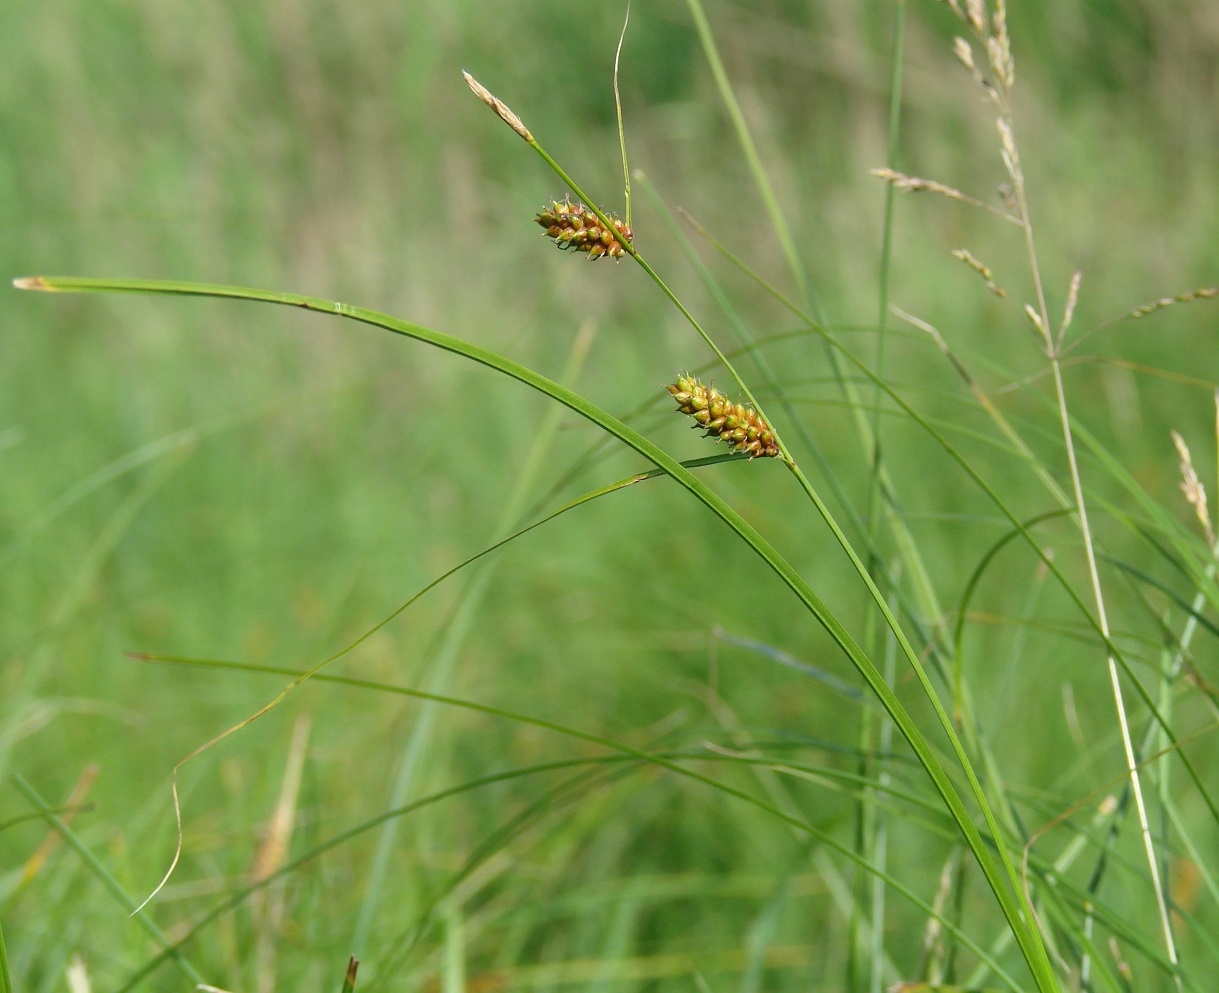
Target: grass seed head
[(1195, 492), (983, 270), (574, 226), (1207, 293), (736, 424)]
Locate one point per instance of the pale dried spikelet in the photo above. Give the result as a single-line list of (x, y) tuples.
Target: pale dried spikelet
[(1195, 492), (975, 15), (913, 184), (738, 425), (983, 270), (999, 48), (1009, 163), (965, 55), (991, 32), (498, 105), (1034, 318), (1007, 143), (1068, 311), (574, 226), (1209, 293), (1000, 63)]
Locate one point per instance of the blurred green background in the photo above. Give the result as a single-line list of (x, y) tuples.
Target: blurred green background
[(232, 481)]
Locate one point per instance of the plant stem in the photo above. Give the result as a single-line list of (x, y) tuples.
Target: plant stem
[(1052, 351)]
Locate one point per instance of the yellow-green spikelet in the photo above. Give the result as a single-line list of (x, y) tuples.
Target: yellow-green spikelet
[(734, 423), (574, 226)]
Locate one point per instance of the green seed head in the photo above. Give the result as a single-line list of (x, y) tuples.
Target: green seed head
[(736, 424), (572, 225)]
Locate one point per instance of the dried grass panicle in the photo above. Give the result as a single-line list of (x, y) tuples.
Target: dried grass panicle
[(1195, 492), (1208, 293), (574, 226), (992, 34), (913, 184), (983, 270), (999, 48), (738, 425), (1068, 311)]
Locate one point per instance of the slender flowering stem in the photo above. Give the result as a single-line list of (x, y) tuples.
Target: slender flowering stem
[(992, 34), (1011, 897)]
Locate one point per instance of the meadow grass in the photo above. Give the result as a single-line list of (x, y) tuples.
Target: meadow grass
[(628, 746)]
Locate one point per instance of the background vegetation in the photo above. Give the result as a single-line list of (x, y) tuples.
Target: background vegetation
[(232, 482)]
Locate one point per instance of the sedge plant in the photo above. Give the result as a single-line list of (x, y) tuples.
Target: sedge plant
[(909, 655)]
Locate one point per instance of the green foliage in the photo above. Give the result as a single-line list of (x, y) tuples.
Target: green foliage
[(615, 752)]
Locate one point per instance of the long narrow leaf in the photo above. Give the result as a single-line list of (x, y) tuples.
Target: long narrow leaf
[(1030, 943)]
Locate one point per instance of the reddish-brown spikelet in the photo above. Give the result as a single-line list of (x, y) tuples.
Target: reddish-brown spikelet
[(572, 225), (734, 423)]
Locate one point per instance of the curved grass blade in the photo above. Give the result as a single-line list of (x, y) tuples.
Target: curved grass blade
[(1002, 883), (1015, 905), (622, 752), (169, 950)]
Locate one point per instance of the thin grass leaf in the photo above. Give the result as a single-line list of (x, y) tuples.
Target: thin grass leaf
[(1002, 882), (169, 950), (6, 985), (349, 978), (783, 658), (1146, 579), (754, 161), (624, 751)]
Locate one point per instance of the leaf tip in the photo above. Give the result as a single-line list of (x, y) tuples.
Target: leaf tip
[(33, 283)]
